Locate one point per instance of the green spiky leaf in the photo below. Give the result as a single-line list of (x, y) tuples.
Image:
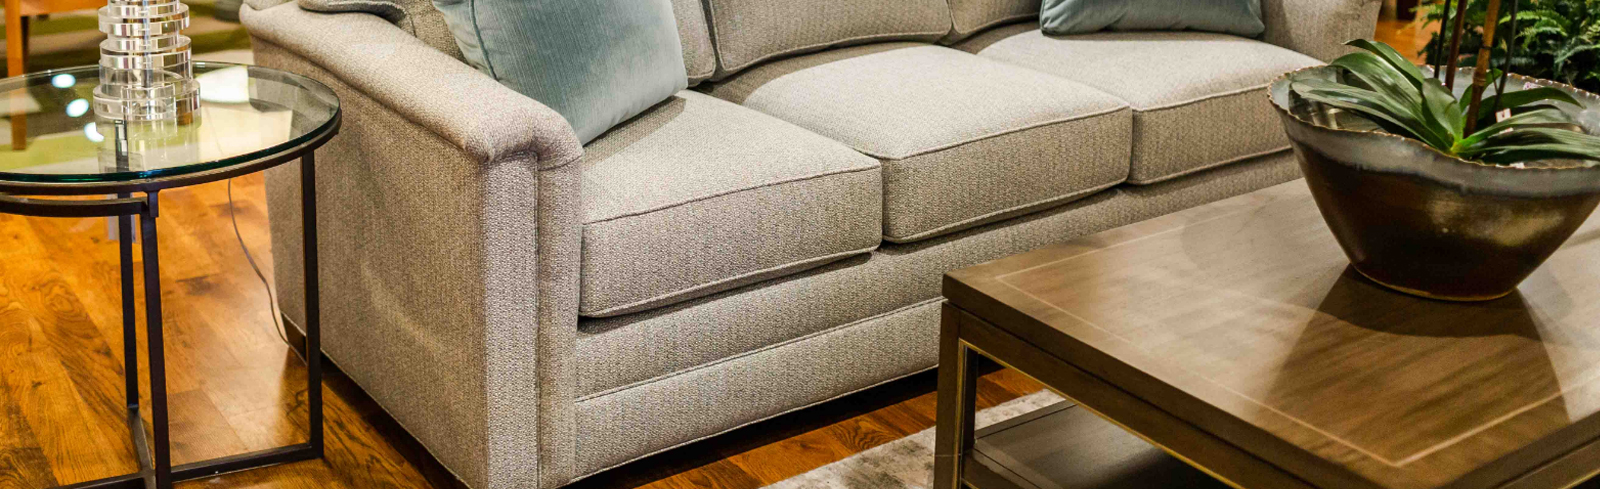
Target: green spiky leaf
[(1378, 85)]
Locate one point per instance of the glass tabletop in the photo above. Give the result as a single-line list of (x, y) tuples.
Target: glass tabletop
[(246, 113)]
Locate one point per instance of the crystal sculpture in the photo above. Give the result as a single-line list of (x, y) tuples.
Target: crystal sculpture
[(145, 71)]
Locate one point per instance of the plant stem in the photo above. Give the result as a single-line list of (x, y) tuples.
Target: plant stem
[(1480, 75), (1511, 55), (1455, 43), (1438, 45)]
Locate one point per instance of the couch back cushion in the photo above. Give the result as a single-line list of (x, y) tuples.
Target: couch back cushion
[(699, 58), (421, 19), (417, 17), (747, 32), (596, 62), (1067, 17), (970, 16)]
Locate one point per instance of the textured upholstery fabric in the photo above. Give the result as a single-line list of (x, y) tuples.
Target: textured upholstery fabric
[(421, 19), (699, 58), (700, 195), (264, 4), (665, 377), (417, 17), (970, 16), (750, 31), (735, 391), (1199, 99), (361, 50), (596, 62), (1237, 17), (620, 352), (1319, 28), (963, 140), (449, 237)]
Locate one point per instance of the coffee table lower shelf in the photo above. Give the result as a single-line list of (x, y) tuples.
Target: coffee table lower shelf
[(1063, 446)]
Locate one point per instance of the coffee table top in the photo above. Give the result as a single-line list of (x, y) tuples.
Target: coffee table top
[(1243, 318), (246, 113)]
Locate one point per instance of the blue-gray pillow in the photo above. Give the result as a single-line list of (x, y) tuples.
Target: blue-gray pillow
[(596, 62), (1237, 17)]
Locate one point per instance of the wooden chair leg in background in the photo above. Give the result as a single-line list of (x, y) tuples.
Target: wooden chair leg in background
[(16, 57)]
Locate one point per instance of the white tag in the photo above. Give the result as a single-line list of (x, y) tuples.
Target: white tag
[(1503, 114)]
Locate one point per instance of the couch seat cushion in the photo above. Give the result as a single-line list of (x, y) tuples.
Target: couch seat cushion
[(699, 195), (1199, 99), (963, 140)]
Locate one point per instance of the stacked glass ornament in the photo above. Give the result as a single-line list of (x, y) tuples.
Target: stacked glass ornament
[(145, 69)]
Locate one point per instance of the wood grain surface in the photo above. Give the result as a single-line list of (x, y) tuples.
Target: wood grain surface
[(1244, 319)]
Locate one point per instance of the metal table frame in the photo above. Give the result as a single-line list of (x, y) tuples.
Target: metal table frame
[(155, 466)]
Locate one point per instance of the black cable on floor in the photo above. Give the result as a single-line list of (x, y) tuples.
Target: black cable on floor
[(272, 299)]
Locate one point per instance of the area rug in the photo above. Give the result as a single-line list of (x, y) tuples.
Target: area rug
[(906, 463)]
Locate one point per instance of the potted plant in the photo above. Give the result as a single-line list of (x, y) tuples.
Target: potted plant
[(1431, 187)]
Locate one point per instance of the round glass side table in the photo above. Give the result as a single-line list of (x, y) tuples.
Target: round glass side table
[(250, 119)]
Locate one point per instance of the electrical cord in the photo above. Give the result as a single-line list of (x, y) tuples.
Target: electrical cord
[(278, 326)]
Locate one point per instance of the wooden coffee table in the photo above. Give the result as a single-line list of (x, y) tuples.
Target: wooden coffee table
[(1235, 337)]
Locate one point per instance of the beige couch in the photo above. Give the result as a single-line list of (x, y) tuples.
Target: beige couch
[(535, 311)]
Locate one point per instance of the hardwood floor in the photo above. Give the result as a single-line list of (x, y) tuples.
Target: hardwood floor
[(236, 387), (1406, 36)]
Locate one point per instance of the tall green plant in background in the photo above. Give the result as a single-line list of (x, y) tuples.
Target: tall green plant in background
[(1556, 39)]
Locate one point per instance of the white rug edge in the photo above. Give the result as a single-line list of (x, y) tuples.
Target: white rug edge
[(906, 463)]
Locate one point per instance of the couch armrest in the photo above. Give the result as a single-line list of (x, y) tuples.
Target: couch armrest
[(448, 220), (1319, 28), (422, 84)]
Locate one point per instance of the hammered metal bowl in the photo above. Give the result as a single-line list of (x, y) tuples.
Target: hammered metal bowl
[(1425, 223)]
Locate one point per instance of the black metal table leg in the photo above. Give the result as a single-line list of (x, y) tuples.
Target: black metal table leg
[(130, 343), (130, 337), (153, 446), (308, 232), (161, 466)]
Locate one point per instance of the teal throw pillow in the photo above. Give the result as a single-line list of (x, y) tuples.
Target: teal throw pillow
[(596, 62), (1237, 17)]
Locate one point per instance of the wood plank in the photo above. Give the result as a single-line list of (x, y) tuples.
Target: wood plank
[(1244, 318), (1163, 429), (19, 469), (75, 438)]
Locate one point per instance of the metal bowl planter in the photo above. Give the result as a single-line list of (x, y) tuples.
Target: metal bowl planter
[(1422, 222)]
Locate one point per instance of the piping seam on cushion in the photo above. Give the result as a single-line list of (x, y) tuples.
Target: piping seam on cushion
[(821, 46), (663, 207), (1203, 98), (773, 346), (646, 304), (757, 420), (975, 30), (1211, 166), (983, 219), (1036, 125)]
